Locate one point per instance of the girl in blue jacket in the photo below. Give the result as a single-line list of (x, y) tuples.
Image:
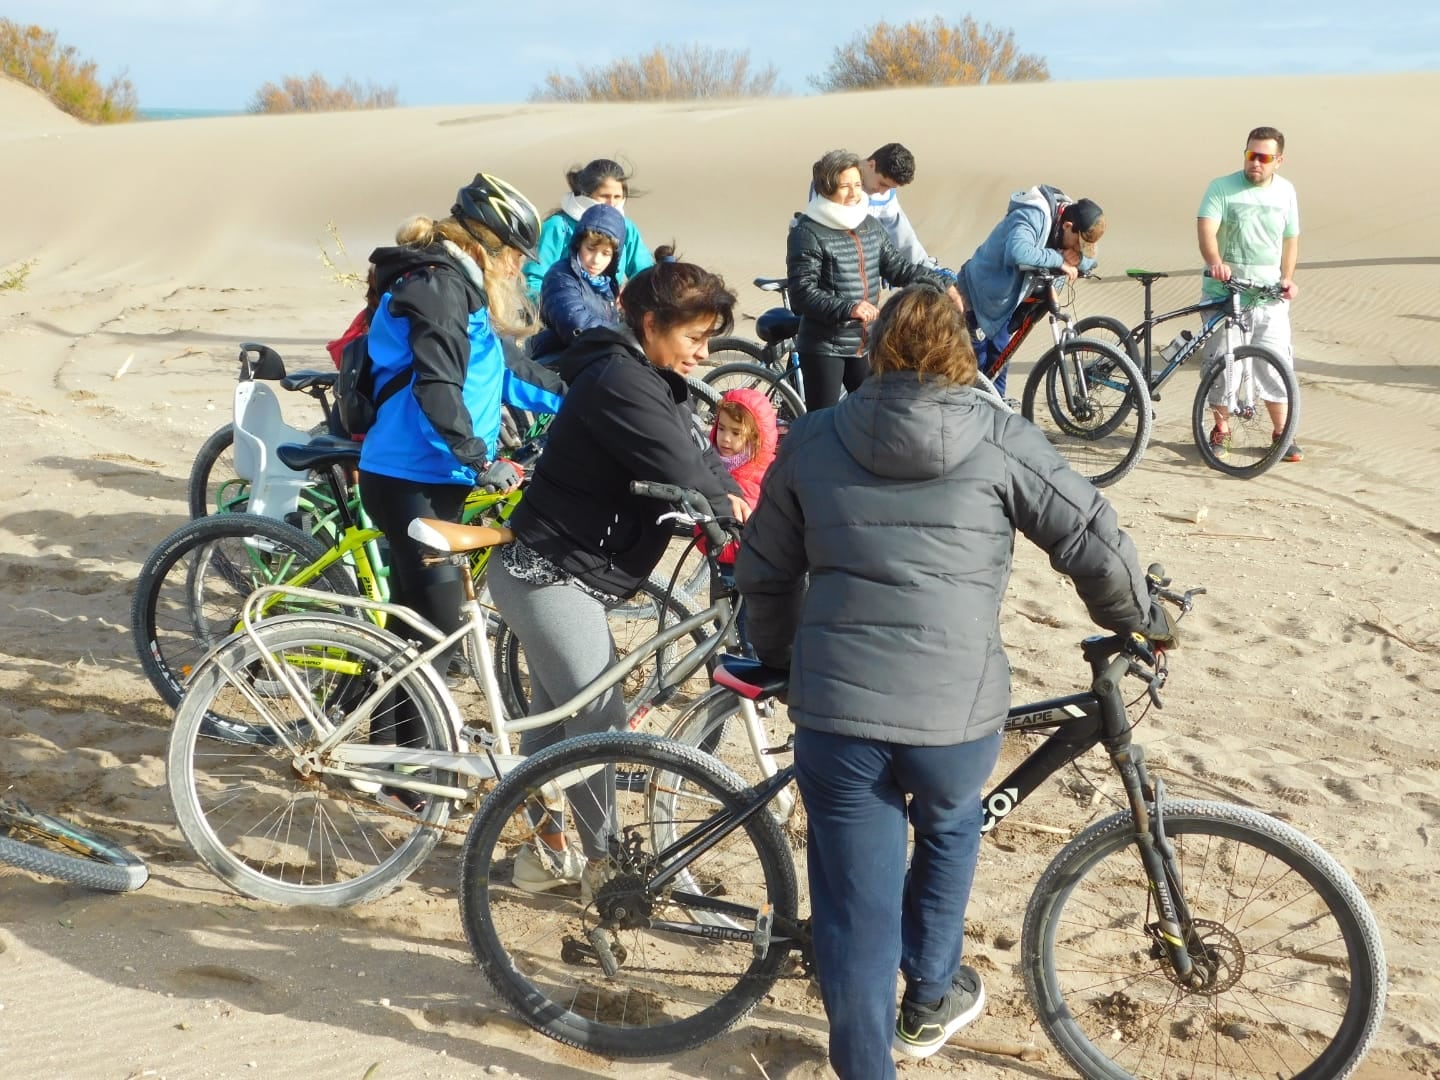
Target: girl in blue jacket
[(582, 291)]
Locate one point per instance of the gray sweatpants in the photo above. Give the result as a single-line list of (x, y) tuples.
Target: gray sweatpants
[(567, 642)]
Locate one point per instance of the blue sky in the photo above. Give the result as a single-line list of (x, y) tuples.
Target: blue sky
[(216, 53)]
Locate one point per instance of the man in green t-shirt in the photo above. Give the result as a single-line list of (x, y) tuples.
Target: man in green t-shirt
[(1249, 228)]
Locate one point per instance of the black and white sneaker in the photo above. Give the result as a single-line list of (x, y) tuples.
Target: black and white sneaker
[(921, 1030)]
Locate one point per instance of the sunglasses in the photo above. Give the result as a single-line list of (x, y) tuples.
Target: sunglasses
[(1263, 159)]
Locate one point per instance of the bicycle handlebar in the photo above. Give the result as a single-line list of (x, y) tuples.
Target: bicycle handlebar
[(692, 502), (1235, 285)]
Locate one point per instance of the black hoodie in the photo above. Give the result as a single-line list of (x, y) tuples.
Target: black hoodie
[(623, 419)]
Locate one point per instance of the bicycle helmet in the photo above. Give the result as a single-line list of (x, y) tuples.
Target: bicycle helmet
[(502, 209)]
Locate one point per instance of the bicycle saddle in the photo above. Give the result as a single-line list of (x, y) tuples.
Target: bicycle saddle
[(303, 380), (1146, 276), (777, 324), (771, 284), (448, 536), (750, 678), (319, 453)]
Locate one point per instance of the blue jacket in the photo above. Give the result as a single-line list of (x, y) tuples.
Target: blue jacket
[(433, 320), (992, 281), (570, 305), (556, 233)]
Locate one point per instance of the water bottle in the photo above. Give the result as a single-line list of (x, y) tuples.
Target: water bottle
[(1182, 339)]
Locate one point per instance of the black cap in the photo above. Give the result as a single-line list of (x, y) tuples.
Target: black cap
[(1083, 215)]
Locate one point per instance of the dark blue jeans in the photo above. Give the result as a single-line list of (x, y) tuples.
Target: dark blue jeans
[(870, 917)]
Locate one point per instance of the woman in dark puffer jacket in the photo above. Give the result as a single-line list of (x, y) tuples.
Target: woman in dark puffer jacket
[(901, 504), (836, 259)]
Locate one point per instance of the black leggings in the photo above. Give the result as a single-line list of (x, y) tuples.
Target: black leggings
[(824, 375), (436, 592)]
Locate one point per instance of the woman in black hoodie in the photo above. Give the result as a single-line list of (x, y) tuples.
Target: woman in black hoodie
[(583, 542)]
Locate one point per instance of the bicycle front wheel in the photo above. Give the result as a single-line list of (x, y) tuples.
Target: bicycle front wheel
[(607, 960), (191, 589), (1297, 972), (271, 827), (214, 485), (1257, 375), (60, 849), (735, 350), (1090, 401), (632, 624)]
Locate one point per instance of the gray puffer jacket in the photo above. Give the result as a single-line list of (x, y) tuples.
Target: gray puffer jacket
[(830, 269), (902, 504)]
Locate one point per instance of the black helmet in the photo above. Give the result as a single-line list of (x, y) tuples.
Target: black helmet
[(501, 209)]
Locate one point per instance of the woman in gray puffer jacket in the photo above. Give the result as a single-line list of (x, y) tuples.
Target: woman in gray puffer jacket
[(901, 505), (837, 259)]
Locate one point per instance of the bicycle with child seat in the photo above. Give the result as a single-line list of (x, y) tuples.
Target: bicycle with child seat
[(302, 795), (50, 845), (1092, 422), (190, 589), (1232, 381), (227, 465), (1172, 939)]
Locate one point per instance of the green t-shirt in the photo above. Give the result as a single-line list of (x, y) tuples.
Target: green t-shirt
[(1253, 222)]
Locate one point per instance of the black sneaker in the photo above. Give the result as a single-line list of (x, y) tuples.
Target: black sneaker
[(921, 1030)]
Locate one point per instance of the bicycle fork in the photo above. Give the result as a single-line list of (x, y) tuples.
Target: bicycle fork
[(1173, 931)]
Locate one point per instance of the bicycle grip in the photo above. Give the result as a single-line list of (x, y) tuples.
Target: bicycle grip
[(650, 489)]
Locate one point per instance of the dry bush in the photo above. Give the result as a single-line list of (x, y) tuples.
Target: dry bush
[(16, 276), (36, 58), (668, 72), (934, 53), (314, 94)]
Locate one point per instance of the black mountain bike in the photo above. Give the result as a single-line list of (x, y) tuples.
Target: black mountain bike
[(1170, 940)]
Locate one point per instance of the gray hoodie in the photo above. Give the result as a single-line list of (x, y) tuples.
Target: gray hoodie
[(901, 504)]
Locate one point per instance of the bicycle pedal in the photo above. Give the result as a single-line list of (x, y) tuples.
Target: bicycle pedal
[(764, 923)]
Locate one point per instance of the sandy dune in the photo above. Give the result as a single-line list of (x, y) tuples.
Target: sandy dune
[(1307, 686)]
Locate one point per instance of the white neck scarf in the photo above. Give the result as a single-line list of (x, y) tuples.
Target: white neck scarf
[(834, 215), (575, 205)]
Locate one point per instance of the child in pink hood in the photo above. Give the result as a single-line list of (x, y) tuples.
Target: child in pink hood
[(744, 434)]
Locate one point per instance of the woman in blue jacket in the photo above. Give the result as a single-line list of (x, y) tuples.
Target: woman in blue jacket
[(602, 181), (449, 289)]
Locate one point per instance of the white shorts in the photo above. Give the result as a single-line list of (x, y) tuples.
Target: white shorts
[(1270, 327)]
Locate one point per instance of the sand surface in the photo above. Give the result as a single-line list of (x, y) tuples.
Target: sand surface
[(1307, 685)]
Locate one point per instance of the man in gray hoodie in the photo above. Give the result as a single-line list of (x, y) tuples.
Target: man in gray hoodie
[(1043, 227)]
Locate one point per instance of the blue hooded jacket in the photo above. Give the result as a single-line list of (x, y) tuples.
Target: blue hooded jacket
[(571, 301), (992, 280), (558, 230), (432, 319)]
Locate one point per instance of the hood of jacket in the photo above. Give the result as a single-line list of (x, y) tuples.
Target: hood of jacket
[(1038, 200), (759, 407), (904, 427), (392, 263)]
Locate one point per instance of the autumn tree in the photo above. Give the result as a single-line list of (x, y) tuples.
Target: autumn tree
[(934, 53), (666, 73), (35, 57), (314, 94)]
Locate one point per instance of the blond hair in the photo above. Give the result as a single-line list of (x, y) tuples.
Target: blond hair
[(511, 312), (921, 330)]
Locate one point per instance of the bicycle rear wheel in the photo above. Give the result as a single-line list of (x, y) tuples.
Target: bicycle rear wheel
[(1101, 425), (735, 350), (765, 380), (678, 977), (290, 835), (191, 589), (1253, 447), (1299, 973), (49, 845)]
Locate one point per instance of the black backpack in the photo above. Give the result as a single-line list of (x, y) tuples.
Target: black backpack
[(357, 401)]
